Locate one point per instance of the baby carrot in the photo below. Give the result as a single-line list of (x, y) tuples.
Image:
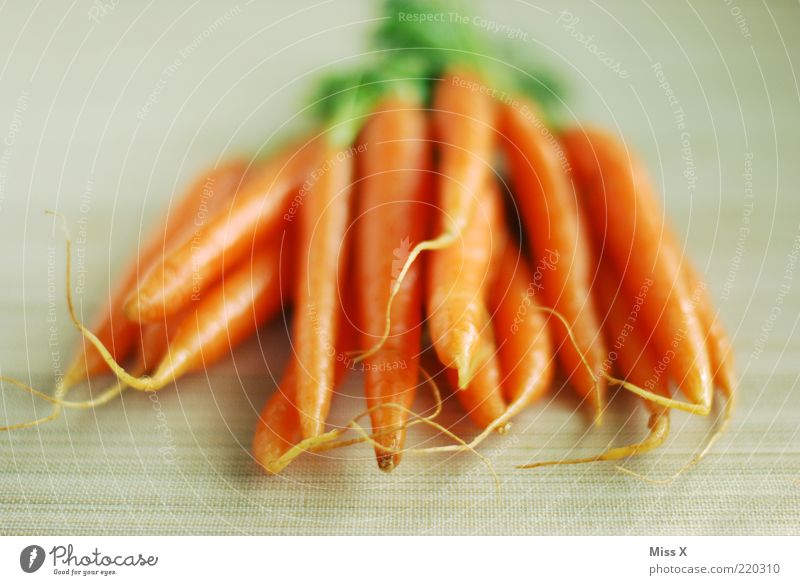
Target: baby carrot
[(156, 338), (719, 345), (226, 238), (457, 280), (464, 127), (113, 328), (278, 427), (227, 315), (393, 188), (324, 218), (463, 121), (482, 399), (630, 357), (628, 338), (633, 359), (523, 339), (628, 220), (560, 242)]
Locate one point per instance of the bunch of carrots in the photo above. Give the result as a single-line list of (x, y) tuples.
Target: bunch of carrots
[(428, 215)]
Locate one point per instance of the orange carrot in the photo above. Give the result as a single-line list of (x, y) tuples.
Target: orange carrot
[(113, 328), (629, 223), (523, 339), (559, 245), (393, 188), (457, 280), (629, 357), (628, 338), (228, 314), (719, 345), (324, 218), (482, 399), (226, 238), (463, 120), (278, 427), (156, 338)]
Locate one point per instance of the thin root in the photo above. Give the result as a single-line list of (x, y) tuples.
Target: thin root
[(143, 383), (659, 431), (443, 241), (328, 441), (727, 415), (700, 409)]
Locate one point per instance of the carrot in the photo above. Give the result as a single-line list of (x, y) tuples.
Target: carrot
[(113, 328), (523, 339), (324, 219), (482, 399), (156, 338), (631, 358), (631, 228), (560, 245), (278, 425), (224, 317), (226, 239), (463, 120), (457, 280), (719, 345), (278, 429), (392, 191), (227, 315)]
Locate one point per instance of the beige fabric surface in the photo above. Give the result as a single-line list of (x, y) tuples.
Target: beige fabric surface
[(105, 113)]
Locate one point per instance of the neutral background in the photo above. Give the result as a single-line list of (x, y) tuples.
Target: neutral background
[(108, 108)]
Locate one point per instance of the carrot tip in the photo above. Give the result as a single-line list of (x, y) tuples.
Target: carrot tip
[(386, 462), (465, 371), (659, 430)]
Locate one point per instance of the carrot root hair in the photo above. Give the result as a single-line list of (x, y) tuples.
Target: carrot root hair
[(659, 431), (143, 383), (690, 407), (59, 402), (58, 398), (332, 439), (438, 243), (727, 416)]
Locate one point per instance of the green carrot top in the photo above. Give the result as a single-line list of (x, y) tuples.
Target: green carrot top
[(415, 44)]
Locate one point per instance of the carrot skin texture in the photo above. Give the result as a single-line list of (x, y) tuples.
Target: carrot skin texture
[(482, 399), (464, 127), (226, 238), (228, 314), (559, 240), (278, 427), (629, 338), (631, 227), (719, 346), (523, 338), (156, 338), (324, 220), (457, 280), (393, 187), (112, 327)]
